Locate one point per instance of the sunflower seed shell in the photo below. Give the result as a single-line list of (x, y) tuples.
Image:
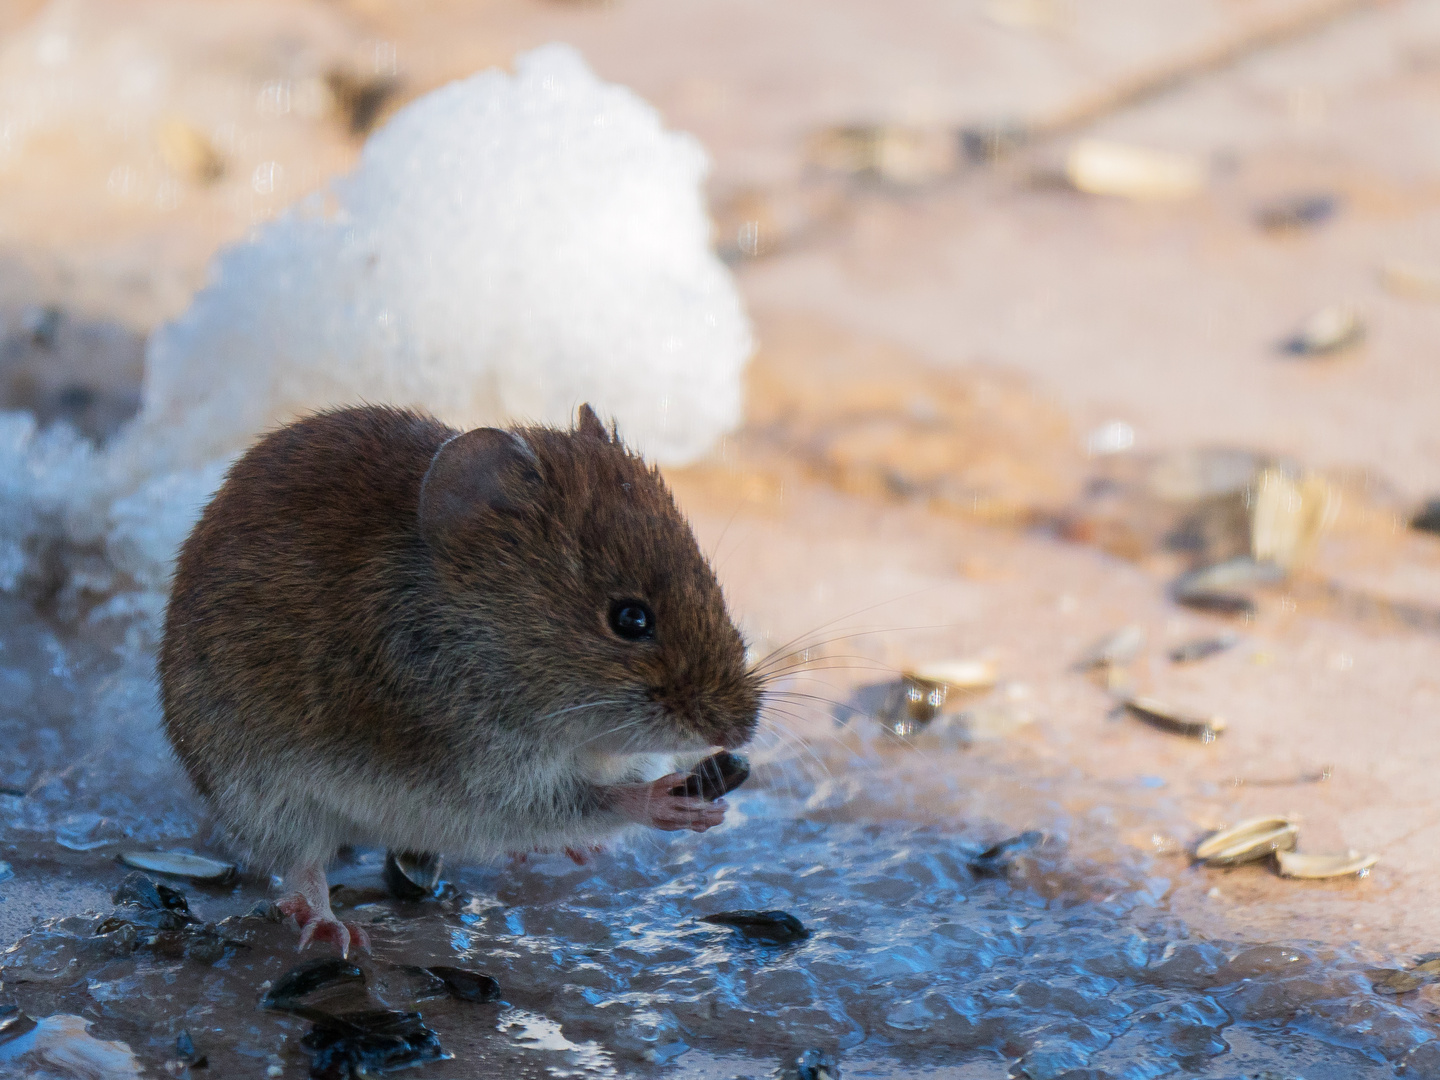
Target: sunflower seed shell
[(1167, 717), (1295, 865), (179, 864), (1248, 841)]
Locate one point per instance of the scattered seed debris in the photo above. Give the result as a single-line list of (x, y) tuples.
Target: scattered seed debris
[(1415, 281), (1248, 841), (1115, 649), (1428, 518), (1330, 330), (1352, 863), (1167, 717), (770, 927), (195, 868), (1296, 212), (187, 152), (815, 1064), (361, 1043), (903, 156), (360, 101), (1192, 652), (186, 1053), (1398, 981), (996, 860), (466, 985), (1320, 777), (326, 973), (411, 875), (1218, 588), (1100, 167)]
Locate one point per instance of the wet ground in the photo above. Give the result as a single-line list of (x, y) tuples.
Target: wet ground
[(913, 485), (921, 957)]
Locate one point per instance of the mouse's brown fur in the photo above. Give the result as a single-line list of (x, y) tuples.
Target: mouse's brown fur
[(346, 661)]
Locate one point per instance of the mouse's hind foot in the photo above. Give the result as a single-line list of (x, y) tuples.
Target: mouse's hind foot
[(309, 906)]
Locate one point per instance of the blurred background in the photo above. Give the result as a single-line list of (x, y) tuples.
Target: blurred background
[(915, 174)]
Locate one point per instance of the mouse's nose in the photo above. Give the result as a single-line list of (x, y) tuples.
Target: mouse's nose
[(736, 727)]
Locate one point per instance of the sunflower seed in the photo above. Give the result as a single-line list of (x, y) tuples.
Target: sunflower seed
[(1248, 841), (1330, 330), (178, 864), (1167, 717)]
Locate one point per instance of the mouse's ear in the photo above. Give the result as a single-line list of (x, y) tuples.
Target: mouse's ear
[(481, 472), (587, 423)]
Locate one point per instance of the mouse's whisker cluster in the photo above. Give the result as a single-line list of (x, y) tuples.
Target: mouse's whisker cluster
[(800, 746)]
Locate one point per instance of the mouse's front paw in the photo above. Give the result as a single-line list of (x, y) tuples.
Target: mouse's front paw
[(652, 804)]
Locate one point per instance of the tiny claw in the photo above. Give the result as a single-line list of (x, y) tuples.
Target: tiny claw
[(359, 936), (340, 934), (322, 929), (579, 858)]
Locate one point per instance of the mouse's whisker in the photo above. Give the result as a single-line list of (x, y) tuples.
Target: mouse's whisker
[(824, 663), (793, 642), (623, 726), (576, 708), (798, 661), (799, 696), (803, 649), (785, 763), (785, 652), (801, 744), (866, 762)]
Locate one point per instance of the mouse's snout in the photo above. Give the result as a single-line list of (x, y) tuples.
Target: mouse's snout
[(738, 736), (732, 715), (722, 712)]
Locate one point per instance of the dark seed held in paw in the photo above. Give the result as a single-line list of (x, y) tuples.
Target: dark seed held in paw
[(717, 775), (412, 875), (325, 973), (771, 927)]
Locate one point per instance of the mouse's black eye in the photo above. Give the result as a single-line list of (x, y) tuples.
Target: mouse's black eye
[(632, 620)]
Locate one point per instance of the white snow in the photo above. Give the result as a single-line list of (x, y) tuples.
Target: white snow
[(508, 248)]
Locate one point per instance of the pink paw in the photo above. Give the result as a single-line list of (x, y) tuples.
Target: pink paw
[(323, 926), (652, 804)]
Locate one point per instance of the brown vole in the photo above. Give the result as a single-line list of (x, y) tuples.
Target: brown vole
[(383, 631)]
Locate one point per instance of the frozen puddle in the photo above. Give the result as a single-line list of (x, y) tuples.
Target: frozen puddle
[(1065, 964)]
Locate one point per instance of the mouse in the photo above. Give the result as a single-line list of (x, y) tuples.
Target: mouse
[(386, 631)]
